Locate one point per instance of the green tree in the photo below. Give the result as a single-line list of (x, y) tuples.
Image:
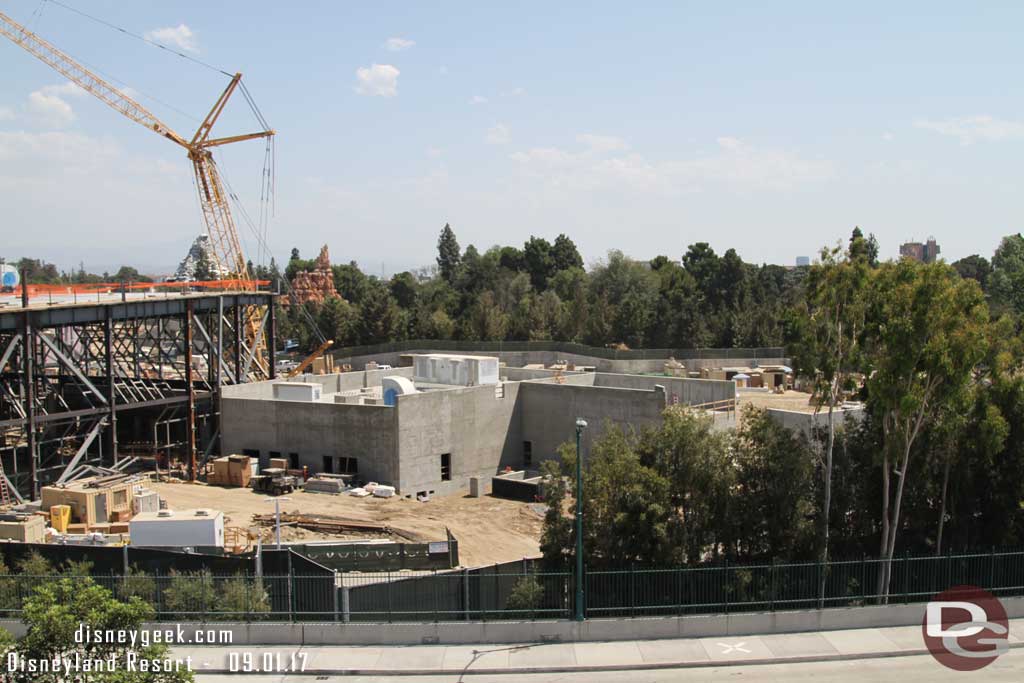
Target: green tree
[(129, 274), (976, 268), (60, 608), (564, 254), (403, 289), (832, 321), (203, 268), (1006, 282), (350, 282), (539, 262), (449, 256), (191, 595), (696, 460), (378, 319), (774, 489), (926, 332), (526, 597)]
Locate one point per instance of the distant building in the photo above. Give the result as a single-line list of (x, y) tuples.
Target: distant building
[(925, 253), (803, 261)]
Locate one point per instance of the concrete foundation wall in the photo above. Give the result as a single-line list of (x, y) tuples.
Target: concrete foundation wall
[(478, 426), (315, 430), (549, 413)]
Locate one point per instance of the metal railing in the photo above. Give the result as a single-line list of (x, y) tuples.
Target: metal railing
[(514, 592)]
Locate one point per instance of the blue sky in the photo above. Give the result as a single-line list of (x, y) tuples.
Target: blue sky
[(773, 128)]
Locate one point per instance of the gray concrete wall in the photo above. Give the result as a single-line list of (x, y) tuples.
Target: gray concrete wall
[(685, 390), (314, 430), (805, 423), (549, 413), (481, 432), (521, 358)]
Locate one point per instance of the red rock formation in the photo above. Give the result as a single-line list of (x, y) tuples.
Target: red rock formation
[(316, 285)]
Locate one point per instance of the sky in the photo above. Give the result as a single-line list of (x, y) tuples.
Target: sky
[(772, 128)]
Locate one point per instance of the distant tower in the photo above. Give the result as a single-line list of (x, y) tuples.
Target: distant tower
[(927, 252)]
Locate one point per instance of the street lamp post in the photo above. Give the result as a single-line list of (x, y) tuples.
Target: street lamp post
[(581, 424), (277, 518)]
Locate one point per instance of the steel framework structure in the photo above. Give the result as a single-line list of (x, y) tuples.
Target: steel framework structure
[(86, 385)]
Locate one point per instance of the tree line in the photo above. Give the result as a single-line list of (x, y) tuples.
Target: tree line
[(934, 462)]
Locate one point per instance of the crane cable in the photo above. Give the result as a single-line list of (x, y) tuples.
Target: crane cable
[(138, 37)]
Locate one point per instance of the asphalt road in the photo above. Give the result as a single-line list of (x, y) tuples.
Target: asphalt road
[(913, 669)]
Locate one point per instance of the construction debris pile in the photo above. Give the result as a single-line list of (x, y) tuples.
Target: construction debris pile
[(329, 483), (328, 524)]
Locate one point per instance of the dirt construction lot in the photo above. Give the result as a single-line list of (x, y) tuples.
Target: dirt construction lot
[(488, 529)]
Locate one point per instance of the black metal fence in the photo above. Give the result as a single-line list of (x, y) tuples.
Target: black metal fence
[(518, 591), (559, 347)]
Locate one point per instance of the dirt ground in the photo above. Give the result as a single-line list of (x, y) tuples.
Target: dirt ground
[(488, 529)]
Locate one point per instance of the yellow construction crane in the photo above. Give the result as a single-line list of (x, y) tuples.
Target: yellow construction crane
[(301, 367), (212, 198)]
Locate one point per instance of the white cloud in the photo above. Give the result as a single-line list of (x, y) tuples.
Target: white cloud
[(181, 37), (606, 162), (64, 89), (514, 92), (398, 44), (50, 110), (498, 134), (478, 99), (442, 70), (970, 129), (48, 107), (888, 137), (602, 143), (379, 80), (6, 114)]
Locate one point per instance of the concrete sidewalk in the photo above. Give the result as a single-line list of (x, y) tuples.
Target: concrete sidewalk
[(568, 657)]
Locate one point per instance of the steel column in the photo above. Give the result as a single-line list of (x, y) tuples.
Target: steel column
[(190, 405), (108, 349)]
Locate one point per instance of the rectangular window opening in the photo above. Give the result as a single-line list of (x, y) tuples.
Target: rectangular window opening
[(446, 467)]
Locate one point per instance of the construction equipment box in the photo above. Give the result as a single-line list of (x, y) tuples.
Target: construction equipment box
[(92, 501), (31, 529), (178, 528)]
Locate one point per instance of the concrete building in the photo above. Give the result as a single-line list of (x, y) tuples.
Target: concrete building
[(429, 428), (927, 252)]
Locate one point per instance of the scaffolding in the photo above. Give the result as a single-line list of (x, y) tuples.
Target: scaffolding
[(75, 380)]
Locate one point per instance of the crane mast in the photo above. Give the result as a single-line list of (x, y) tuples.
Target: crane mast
[(213, 199)]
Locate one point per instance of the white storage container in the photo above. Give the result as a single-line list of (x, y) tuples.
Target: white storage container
[(178, 528)]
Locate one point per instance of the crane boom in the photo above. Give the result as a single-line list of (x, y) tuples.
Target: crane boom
[(85, 79), (213, 200)]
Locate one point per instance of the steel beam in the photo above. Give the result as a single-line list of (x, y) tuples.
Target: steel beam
[(70, 365)]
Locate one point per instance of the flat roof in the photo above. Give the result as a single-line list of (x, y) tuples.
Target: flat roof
[(178, 515)]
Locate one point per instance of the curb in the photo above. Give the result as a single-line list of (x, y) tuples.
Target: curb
[(691, 664)]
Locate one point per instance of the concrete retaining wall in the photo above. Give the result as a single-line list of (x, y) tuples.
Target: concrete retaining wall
[(701, 626)]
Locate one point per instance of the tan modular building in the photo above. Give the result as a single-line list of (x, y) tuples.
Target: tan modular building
[(97, 500)]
